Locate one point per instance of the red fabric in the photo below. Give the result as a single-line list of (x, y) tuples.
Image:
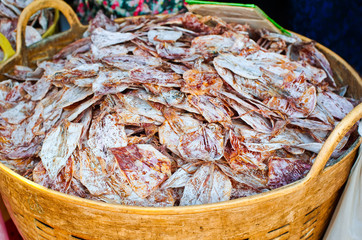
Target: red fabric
[(3, 232), (13, 232), (8, 230)]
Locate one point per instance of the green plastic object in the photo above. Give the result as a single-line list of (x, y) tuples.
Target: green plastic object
[(6, 47), (191, 2), (52, 28)]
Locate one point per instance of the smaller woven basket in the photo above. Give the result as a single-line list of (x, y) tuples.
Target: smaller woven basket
[(300, 210), (8, 49)]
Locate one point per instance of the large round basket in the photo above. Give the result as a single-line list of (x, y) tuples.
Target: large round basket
[(300, 210)]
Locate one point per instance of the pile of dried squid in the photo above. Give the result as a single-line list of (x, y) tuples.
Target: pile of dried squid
[(171, 111)]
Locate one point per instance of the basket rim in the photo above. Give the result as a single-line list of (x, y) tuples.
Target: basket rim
[(174, 210), (165, 210)]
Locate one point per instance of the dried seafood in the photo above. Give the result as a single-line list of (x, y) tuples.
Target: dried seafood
[(181, 110)]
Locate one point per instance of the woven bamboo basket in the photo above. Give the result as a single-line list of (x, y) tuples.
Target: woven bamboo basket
[(300, 210)]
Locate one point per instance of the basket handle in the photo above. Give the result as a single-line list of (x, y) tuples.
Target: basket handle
[(8, 49), (334, 138), (75, 25)]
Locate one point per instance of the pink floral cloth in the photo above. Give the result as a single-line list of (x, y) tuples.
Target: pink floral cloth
[(86, 9), (3, 232)]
